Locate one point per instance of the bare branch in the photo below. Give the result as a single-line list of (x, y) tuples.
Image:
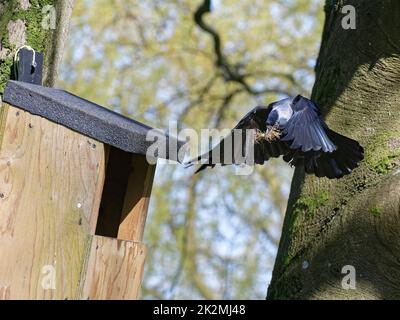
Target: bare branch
[(231, 73)]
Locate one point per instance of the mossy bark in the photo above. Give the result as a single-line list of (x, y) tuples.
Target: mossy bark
[(21, 24), (355, 220)]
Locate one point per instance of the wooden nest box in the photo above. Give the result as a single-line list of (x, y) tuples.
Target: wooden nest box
[(74, 191)]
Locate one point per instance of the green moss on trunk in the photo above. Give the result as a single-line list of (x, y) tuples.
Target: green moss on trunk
[(383, 152), (310, 204), (36, 36)]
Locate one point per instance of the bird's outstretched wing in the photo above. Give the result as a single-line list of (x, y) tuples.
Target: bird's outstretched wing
[(305, 130), (226, 152), (313, 145)]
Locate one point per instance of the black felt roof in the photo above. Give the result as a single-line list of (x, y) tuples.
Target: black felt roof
[(85, 117)]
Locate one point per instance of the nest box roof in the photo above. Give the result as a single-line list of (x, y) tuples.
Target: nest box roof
[(87, 118)]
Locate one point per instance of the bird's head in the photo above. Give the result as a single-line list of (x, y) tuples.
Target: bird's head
[(281, 112)]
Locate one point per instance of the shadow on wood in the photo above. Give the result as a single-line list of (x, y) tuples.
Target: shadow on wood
[(126, 196)]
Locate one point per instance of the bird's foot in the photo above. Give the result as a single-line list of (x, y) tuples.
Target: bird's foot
[(259, 136), (273, 133)]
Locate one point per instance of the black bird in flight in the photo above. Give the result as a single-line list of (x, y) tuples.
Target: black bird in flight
[(292, 128)]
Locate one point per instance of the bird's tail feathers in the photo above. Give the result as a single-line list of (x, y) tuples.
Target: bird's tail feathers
[(338, 163), (332, 165)]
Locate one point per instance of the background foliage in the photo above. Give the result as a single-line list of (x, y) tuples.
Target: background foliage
[(212, 235)]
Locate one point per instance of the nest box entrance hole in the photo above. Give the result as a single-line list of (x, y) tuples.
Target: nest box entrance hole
[(126, 195)]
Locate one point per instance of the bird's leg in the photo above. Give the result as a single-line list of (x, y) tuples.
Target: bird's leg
[(273, 133), (259, 136)]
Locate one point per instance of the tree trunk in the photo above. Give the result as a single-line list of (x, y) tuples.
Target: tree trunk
[(355, 220), (41, 24)]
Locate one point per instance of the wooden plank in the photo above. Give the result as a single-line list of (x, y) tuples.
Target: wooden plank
[(50, 183), (137, 197), (3, 115), (98, 190), (115, 269)]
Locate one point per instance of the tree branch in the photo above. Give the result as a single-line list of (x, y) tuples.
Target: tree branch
[(231, 73)]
